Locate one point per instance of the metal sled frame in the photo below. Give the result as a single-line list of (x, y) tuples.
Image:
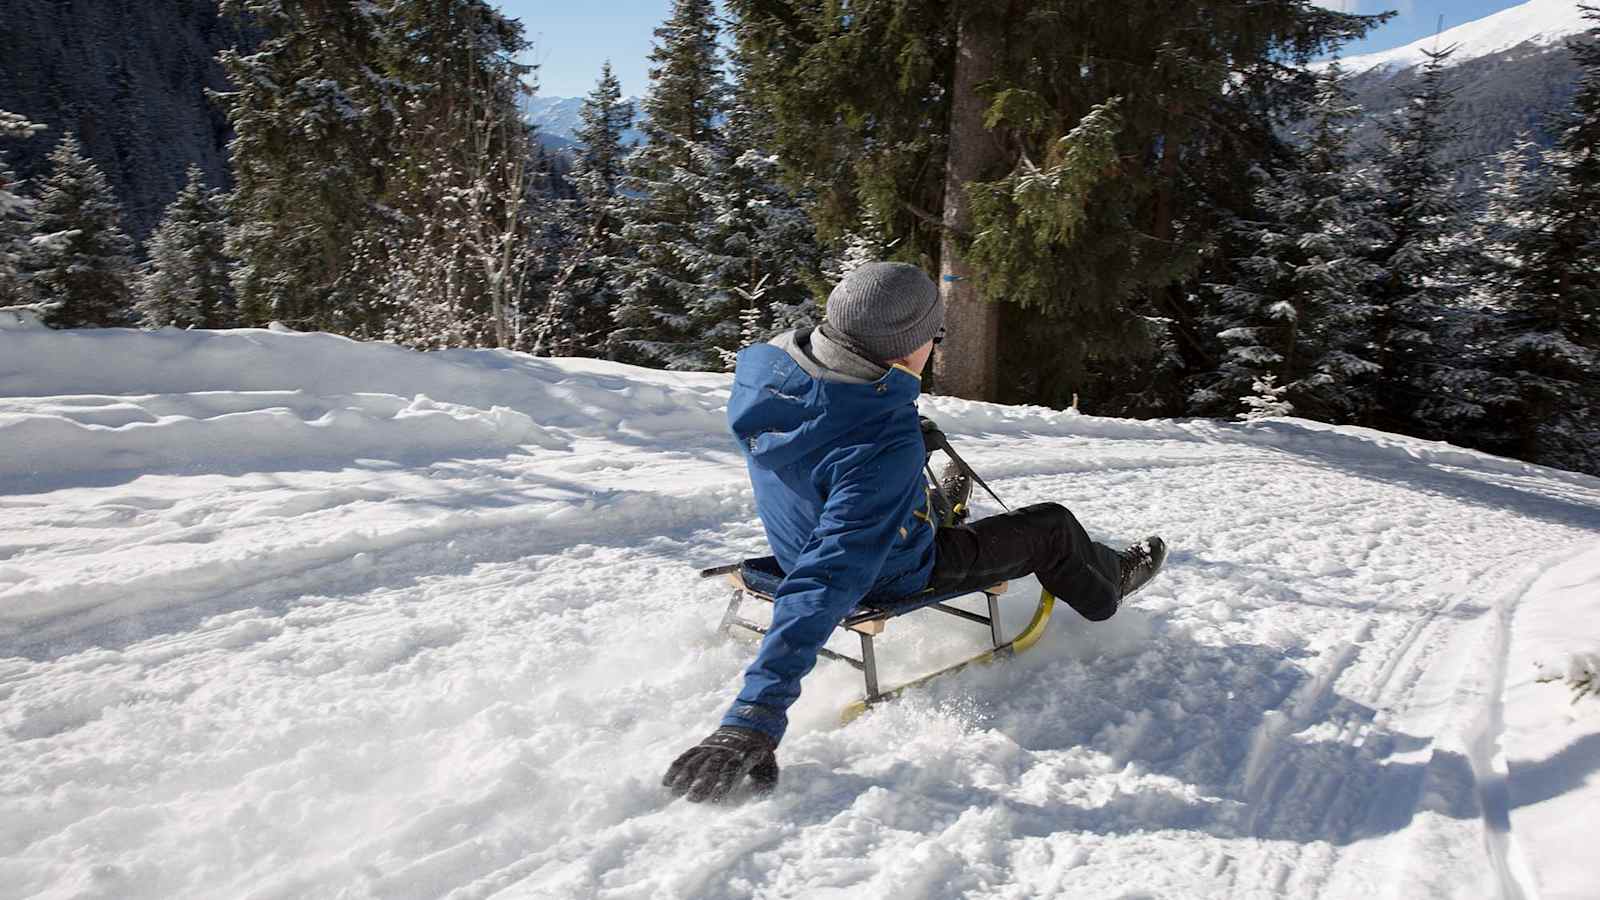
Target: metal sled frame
[(757, 579)]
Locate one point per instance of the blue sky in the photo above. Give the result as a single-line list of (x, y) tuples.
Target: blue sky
[(573, 38)]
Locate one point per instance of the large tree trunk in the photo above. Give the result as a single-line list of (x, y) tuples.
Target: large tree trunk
[(967, 362)]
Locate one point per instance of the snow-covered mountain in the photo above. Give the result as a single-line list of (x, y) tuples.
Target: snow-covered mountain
[(1531, 27), (1511, 73), (287, 615), (558, 119)]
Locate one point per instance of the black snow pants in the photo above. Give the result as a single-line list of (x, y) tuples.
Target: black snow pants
[(1044, 540)]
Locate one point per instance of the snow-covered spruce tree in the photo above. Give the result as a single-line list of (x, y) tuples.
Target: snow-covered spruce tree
[(1544, 348), (1265, 400), (313, 114), (766, 258), (576, 316), (1253, 316), (1295, 309), (1535, 346), (666, 315), (448, 264), (187, 281), (16, 213), (1516, 182), (79, 262), (1423, 260), (605, 117), (1485, 374)]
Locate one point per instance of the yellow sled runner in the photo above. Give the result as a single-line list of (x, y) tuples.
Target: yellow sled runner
[(758, 579)]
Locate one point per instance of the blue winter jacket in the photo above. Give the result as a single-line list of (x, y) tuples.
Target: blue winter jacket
[(837, 474)]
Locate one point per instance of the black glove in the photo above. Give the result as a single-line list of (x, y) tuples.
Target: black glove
[(710, 769), (932, 436)]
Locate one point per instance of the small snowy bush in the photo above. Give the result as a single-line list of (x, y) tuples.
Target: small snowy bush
[(1581, 673), (1267, 402)]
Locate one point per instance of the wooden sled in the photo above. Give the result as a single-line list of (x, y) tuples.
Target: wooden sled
[(759, 579)]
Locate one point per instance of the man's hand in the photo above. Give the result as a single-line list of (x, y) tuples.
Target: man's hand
[(710, 769), (932, 436)]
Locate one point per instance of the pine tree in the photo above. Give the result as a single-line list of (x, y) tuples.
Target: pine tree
[(313, 116), (770, 258), (667, 315), (1514, 186), (722, 252), (1058, 157), (1423, 261), (187, 281), (1341, 227), (1265, 400), (383, 168), (16, 214), (1542, 352), (1253, 315), (598, 169), (79, 262), (577, 315), (1485, 388), (762, 257), (1295, 310), (766, 256)]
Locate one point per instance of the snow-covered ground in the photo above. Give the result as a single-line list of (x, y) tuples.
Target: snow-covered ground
[(1535, 23), (289, 616)]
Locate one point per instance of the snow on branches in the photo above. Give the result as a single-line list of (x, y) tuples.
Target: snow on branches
[(1580, 672)]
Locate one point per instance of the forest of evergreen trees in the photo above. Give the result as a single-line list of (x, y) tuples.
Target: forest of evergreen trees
[(1157, 208)]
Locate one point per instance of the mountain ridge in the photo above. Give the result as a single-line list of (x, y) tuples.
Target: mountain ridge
[(1540, 23), (557, 119)]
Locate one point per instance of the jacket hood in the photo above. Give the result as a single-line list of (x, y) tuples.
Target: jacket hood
[(828, 356), (780, 412)]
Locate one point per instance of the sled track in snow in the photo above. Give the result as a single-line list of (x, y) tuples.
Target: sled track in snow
[(1279, 788), (1279, 791)]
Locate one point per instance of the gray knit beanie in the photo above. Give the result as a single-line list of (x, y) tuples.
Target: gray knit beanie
[(886, 310)]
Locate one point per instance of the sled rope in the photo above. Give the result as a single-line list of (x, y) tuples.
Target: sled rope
[(943, 443)]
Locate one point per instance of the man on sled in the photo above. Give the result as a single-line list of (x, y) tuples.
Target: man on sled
[(827, 419)]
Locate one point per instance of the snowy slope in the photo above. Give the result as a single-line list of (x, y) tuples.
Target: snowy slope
[(1550, 745), (285, 615), (1536, 23)]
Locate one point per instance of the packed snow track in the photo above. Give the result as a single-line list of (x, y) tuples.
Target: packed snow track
[(290, 616)]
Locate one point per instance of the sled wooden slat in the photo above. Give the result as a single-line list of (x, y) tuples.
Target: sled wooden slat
[(758, 579)]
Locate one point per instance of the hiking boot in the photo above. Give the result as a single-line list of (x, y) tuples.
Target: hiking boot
[(1140, 563), (955, 489)]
